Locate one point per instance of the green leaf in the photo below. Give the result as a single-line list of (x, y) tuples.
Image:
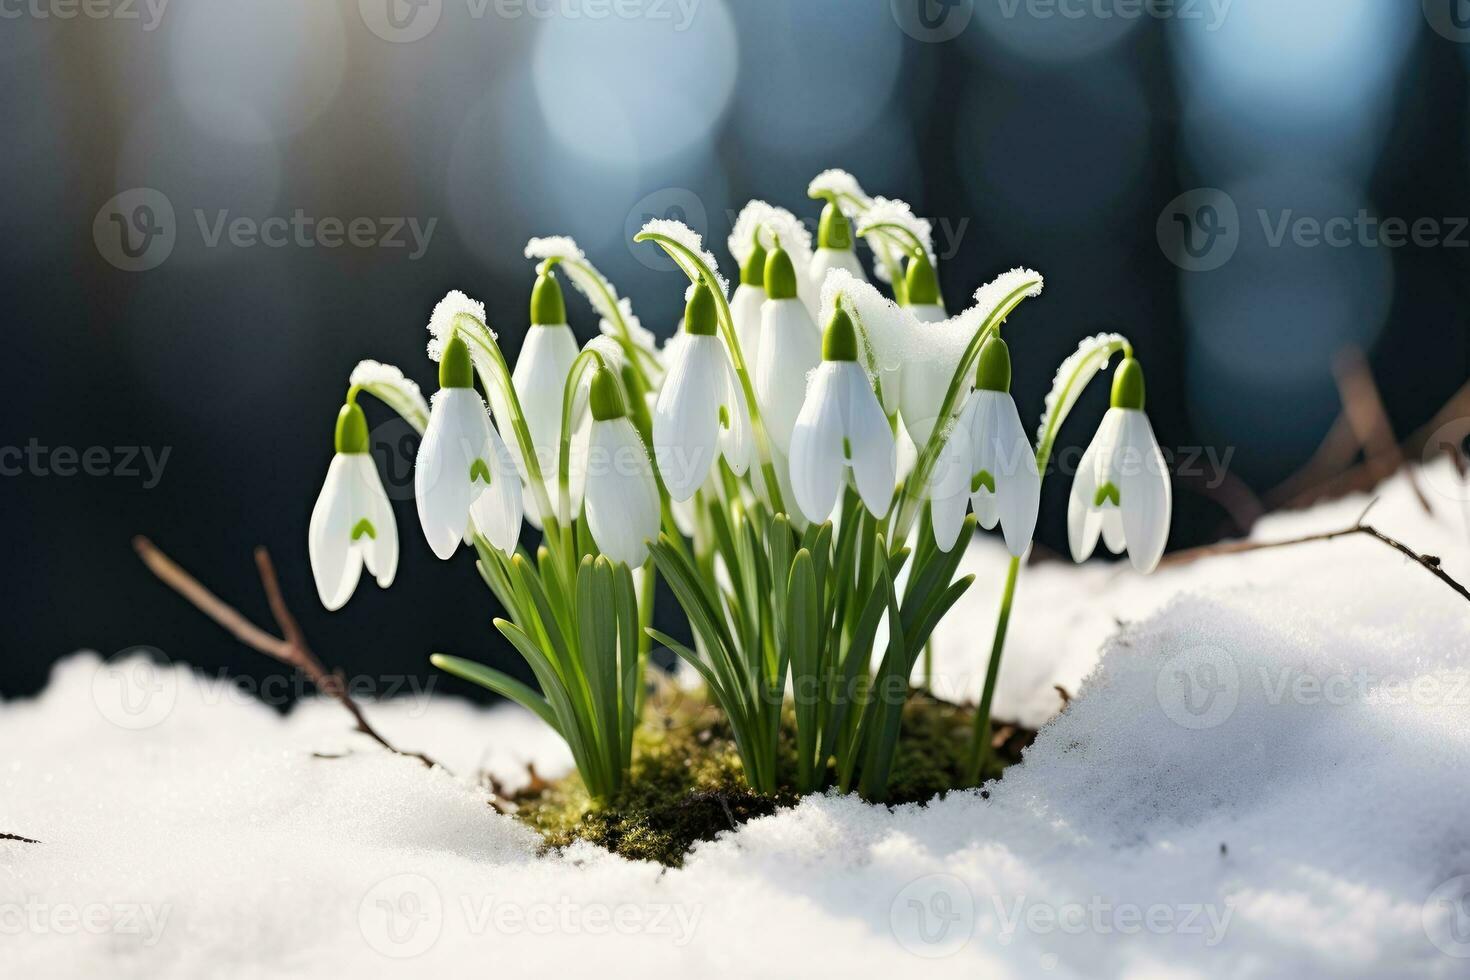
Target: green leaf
[(501, 683)]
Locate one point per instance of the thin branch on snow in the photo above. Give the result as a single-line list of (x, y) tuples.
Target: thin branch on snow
[(292, 651), (1429, 562), (17, 837)]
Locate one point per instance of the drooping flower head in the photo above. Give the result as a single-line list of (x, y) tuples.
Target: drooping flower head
[(352, 523), (621, 497), (841, 427), (464, 472), (790, 349), (1122, 490)]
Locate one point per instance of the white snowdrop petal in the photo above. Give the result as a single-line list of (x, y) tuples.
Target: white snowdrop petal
[(827, 259), (458, 423), (540, 380), (622, 496), (1112, 530), (790, 349), (949, 495), (987, 509), (380, 547), (816, 446), (686, 417), (737, 436), (335, 564), (497, 510), (1083, 520), (745, 311), (1146, 492), (985, 458), (873, 454), (1017, 481)]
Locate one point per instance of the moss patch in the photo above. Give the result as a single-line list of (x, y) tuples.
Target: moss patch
[(687, 785)]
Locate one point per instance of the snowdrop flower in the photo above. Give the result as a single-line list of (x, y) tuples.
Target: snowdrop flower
[(621, 497), (834, 247), (540, 377), (745, 302), (701, 411), (352, 523), (789, 350), (841, 426), (988, 457), (923, 382), (1122, 487), (464, 472)]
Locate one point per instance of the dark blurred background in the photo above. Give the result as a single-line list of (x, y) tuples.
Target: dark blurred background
[(1084, 138)]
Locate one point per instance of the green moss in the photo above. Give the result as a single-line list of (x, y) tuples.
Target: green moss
[(687, 784)]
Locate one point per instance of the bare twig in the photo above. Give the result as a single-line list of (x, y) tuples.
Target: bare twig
[(17, 837), (292, 651), (1429, 562), (1363, 406)]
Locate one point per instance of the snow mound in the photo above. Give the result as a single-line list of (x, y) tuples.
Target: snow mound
[(1261, 775)]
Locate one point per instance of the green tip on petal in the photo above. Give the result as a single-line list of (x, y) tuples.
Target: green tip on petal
[(994, 372), (839, 343), (922, 283), (699, 312), (834, 230), (548, 306), (455, 368), (780, 275), (1128, 385), (605, 400), (753, 272), (352, 430)]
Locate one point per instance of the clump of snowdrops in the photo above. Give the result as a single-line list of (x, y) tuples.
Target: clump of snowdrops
[(801, 462)]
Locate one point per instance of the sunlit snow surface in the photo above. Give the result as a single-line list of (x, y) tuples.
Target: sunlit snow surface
[(1266, 775)]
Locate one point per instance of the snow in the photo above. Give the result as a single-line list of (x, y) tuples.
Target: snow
[(1301, 814), (446, 311)]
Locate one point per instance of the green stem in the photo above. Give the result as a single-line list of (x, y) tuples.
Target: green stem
[(623, 333), (1086, 369)]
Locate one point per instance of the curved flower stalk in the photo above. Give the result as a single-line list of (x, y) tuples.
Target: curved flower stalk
[(616, 313), (895, 233), (687, 250), (387, 384), (700, 413), (352, 523), (1073, 377)]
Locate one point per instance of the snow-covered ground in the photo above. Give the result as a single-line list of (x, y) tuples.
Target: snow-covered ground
[(1265, 774)]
